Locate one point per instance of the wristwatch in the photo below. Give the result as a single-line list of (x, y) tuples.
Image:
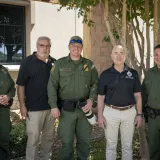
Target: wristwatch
[(140, 115)]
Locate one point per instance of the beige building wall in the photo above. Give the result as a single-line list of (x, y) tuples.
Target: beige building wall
[(58, 25)]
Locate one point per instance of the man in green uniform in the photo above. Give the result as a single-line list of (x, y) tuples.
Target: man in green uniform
[(7, 92), (151, 105), (73, 86)]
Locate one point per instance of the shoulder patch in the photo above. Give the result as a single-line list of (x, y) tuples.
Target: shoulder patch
[(52, 69), (85, 67)]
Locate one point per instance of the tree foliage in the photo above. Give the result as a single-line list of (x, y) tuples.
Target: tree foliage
[(122, 28)]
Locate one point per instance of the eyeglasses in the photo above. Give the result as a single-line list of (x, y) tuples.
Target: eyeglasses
[(44, 46), (76, 41)]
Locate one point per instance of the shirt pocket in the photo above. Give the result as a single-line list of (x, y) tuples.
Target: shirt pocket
[(149, 85), (86, 78), (65, 78)]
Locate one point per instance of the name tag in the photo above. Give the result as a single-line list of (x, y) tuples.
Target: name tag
[(65, 69)]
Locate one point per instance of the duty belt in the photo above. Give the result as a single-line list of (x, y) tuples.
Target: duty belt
[(150, 112), (71, 105), (120, 108)]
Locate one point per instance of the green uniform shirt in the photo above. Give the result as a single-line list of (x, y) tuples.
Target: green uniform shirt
[(7, 85), (151, 88), (71, 80)]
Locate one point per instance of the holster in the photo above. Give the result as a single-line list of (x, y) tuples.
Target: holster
[(150, 112)]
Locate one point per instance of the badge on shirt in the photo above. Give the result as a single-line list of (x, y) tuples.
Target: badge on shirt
[(85, 68), (129, 75)]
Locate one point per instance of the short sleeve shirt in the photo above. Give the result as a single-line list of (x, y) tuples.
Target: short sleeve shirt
[(34, 75), (119, 88)]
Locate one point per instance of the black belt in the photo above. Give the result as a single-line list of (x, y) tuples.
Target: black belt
[(71, 105)]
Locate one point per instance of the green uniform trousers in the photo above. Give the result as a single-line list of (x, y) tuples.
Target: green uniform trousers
[(71, 124), (154, 138), (5, 128)]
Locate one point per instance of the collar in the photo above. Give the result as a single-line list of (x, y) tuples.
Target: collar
[(126, 68), (155, 68), (50, 59), (69, 58), (34, 57)]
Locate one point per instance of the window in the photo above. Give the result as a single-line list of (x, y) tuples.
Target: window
[(12, 34)]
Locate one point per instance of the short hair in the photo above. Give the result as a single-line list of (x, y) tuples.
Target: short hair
[(157, 46), (44, 38), (116, 46)]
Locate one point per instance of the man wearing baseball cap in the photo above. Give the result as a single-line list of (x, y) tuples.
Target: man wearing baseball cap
[(73, 87)]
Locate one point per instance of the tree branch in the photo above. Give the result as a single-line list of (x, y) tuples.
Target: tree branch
[(156, 26), (107, 23), (124, 11)]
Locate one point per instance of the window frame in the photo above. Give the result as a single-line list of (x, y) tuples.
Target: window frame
[(23, 44)]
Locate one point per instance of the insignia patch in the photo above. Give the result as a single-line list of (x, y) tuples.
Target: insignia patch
[(52, 69), (65, 69), (85, 67), (129, 75)]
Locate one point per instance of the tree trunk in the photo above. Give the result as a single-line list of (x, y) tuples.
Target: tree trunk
[(159, 22), (9, 49), (123, 39), (156, 24), (147, 34), (107, 23)]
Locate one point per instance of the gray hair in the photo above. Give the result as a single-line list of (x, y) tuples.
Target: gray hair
[(44, 38), (118, 46)]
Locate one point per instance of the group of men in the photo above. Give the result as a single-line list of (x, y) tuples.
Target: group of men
[(67, 89)]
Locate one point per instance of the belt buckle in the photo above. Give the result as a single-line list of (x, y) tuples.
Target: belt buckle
[(111, 106), (130, 106)]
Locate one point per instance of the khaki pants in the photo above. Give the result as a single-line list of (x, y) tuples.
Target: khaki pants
[(123, 120), (39, 123)]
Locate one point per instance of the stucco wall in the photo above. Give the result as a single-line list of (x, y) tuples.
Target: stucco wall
[(59, 26)]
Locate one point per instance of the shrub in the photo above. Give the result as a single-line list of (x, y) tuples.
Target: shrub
[(18, 140)]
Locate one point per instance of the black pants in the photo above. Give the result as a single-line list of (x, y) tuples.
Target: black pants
[(5, 128)]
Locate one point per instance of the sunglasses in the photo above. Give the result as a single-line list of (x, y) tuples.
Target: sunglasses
[(76, 41)]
